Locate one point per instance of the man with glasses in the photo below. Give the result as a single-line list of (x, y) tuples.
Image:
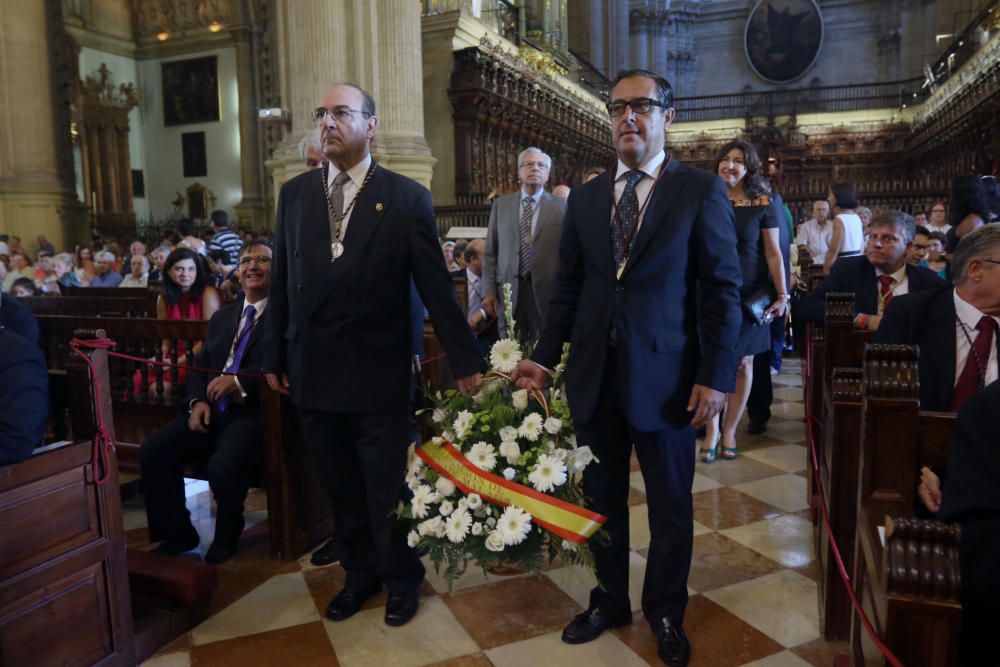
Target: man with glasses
[(875, 277), (648, 296), (522, 247), (222, 424), (349, 238)]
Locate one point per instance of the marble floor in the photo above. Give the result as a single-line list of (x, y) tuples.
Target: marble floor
[(752, 584)]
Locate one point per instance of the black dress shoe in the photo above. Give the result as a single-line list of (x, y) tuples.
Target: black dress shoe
[(228, 530), (348, 602), (221, 551), (589, 625), (756, 428), (400, 609), (326, 554), (674, 648), (175, 547)]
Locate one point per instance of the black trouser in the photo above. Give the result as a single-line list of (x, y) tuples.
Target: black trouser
[(232, 450), (666, 459), (527, 311), (362, 460)]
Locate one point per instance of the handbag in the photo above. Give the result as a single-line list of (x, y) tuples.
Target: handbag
[(756, 304)]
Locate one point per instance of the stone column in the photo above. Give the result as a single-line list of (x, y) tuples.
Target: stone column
[(659, 26), (31, 195), (595, 21), (639, 36), (618, 37), (252, 209)]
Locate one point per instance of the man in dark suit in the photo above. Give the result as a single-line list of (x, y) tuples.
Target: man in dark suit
[(24, 396), (221, 425), (348, 240), (18, 318), (876, 277), (650, 304), (943, 321)]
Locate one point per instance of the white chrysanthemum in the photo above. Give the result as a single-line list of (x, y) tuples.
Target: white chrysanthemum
[(580, 458), (508, 433), (553, 425), (473, 501), (462, 423), (519, 399), (505, 355), (509, 474), (444, 486), (483, 455), (412, 539), (514, 525), (531, 427), (458, 526), (510, 451), (494, 541), (431, 527), (548, 474), (439, 415), (478, 528), (423, 496), (413, 483), (446, 508)]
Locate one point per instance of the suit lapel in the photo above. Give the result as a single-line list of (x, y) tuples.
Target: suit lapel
[(368, 211), (544, 213), (660, 204)]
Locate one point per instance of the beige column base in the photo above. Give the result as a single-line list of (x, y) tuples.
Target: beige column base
[(407, 154), (28, 214), (253, 211)]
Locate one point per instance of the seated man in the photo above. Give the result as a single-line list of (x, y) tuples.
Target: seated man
[(222, 424), (955, 327), (18, 318), (106, 274), (24, 396), (875, 277)]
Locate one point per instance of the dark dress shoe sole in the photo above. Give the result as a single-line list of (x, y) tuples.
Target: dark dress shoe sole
[(401, 612)]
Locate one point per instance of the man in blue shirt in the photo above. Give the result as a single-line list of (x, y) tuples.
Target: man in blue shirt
[(106, 274)]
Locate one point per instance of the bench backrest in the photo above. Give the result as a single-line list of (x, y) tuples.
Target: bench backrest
[(96, 306)]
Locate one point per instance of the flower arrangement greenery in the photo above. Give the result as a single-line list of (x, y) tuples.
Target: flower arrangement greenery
[(500, 433)]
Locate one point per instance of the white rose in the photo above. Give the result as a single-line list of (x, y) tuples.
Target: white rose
[(494, 541), (431, 526), (508, 433), (509, 473), (553, 425), (510, 451), (491, 522), (412, 539), (481, 511), (462, 505), (478, 528), (439, 415), (473, 501), (444, 486), (520, 399), (446, 508)]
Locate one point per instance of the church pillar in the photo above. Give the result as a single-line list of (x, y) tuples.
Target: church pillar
[(252, 209), (639, 28), (31, 193), (618, 37)]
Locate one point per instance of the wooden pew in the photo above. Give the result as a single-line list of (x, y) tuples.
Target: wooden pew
[(148, 293), (298, 510), (909, 585), (96, 306), (64, 597)]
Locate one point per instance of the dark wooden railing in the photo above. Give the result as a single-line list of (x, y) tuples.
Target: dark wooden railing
[(461, 215)]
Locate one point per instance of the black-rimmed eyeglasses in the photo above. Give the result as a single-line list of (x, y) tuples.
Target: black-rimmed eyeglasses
[(640, 105), (341, 114)]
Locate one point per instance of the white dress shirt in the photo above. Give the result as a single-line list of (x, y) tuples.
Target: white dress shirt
[(934, 228), (350, 189), (643, 190), (816, 238), (967, 317), (536, 198), (258, 306), (899, 288)]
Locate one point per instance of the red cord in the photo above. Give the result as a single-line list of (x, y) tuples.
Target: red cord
[(810, 419), (103, 443)]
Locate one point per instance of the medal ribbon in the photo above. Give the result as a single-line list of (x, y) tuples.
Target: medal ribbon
[(572, 522)]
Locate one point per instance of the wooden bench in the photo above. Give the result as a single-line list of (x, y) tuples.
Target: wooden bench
[(150, 294), (298, 510), (95, 306), (64, 596), (909, 584)]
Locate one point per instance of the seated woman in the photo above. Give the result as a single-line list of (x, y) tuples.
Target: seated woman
[(848, 236), (62, 266), (85, 269)]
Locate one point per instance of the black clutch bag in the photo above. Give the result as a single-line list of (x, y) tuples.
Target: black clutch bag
[(756, 303)]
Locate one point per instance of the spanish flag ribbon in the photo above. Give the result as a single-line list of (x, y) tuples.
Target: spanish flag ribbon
[(572, 522)]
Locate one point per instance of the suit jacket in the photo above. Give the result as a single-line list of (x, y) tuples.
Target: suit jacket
[(222, 331), (18, 318), (675, 312), (24, 396), (343, 329), (503, 239), (857, 275)]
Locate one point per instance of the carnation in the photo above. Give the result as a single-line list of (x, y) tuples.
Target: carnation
[(520, 399), (483, 455), (510, 451), (462, 423), (531, 427), (505, 355), (548, 474), (553, 425), (446, 508), (478, 528), (509, 474), (473, 501), (444, 486), (514, 525), (508, 433), (457, 526)]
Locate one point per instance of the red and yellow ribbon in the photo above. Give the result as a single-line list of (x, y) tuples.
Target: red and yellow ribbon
[(572, 522)]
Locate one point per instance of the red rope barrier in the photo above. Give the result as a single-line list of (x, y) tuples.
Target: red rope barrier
[(100, 466), (810, 419)]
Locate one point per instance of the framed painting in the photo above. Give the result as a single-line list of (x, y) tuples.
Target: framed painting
[(194, 157), (783, 38), (190, 91)]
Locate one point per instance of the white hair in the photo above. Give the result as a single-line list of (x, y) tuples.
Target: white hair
[(310, 139), (532, 149), (105, 256)]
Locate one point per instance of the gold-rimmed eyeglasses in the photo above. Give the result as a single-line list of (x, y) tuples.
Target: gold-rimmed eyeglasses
[(340, 114), (255, 259)]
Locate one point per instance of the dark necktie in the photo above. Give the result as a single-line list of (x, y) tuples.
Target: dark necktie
[(622, 238), (976, 365), (241, 347), (525, 253), (885, 290), (337, 193)]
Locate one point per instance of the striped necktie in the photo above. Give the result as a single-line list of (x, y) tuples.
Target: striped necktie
[(525, 252)]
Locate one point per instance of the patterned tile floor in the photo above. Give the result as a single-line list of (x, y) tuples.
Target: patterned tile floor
[(752, 583)]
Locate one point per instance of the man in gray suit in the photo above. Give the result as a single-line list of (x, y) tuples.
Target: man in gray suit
[(522, 247)]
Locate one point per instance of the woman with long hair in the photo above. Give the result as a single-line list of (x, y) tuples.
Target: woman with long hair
[(848, 236), (85, 269), (758, 218)]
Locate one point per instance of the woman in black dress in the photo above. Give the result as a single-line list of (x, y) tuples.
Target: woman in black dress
[(757, 221)]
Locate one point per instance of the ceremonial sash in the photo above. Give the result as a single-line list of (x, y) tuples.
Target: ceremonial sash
[(574, 523)]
